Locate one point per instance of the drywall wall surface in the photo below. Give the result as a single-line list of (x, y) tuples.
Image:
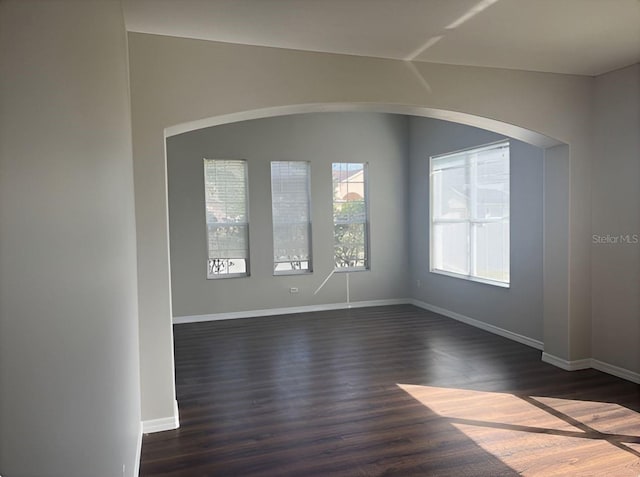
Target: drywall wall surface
[(69, 369), (557, 330), (175, 81), (380, 140), (519, 308), (616, 219)]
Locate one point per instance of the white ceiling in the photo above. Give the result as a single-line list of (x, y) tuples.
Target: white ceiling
[(586, 37)]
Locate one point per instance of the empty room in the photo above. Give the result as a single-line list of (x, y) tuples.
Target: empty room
[(350, 238)]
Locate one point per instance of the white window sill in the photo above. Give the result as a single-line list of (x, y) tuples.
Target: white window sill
[(470, 278), (349, 270)]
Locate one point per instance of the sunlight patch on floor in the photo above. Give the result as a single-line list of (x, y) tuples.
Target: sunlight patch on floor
[(542, 436)]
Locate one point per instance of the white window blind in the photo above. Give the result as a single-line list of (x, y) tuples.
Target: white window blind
[(291, 217), (470, 199), (350, 216), (225, 183)]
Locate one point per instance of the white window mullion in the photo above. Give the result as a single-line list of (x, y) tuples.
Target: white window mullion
[(472, 168)]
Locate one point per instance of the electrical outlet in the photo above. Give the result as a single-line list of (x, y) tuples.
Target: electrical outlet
[(418, 283), (293, 290)]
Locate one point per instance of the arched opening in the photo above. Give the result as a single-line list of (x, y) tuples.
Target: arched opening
[(555, 242), (517, 132)]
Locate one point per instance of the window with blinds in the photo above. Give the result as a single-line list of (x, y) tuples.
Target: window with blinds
[(225, 184), (290, 204), (470, 199), (350, 216)]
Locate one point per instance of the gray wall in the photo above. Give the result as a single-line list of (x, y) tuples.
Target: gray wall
[(518, 308), (69, 368), (616, 212), (379, 139)]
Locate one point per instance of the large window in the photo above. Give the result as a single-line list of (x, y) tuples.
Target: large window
[(291, 217), (470, 214), (350, 216), (225, 184)]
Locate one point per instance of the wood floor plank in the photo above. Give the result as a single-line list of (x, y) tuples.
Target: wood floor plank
[(385, 391)]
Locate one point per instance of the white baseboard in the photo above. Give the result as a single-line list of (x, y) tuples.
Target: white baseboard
[(561, 363), (616, 371), (479, 324), (136, 468), (589, 363), (163, 423), (287, 311)]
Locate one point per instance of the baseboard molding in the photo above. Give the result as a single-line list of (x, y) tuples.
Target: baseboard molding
[(575, 365), (136, 468), (287, 311), (164, 423), (591, 363), (616, 371), (479, 324)]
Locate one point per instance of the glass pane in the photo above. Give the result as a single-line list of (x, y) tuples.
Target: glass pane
[(290, 242), (450, 193), (227, 241), (470, 212), (291, 217), (225, 191), (349, 248), (349, 212), (292, 266), (217, 267), (492, 251), (350, 215), (348, 181), (492, 183), (225, 187), (451, 247)]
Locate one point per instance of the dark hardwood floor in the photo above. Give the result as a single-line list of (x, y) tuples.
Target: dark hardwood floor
[(386, 391)]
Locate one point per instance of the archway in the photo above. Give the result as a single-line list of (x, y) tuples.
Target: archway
[(556, 198)]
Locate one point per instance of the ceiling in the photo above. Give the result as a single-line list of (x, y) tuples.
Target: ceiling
[(585, 37)]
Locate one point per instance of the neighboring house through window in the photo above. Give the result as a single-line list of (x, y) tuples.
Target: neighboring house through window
[(470, 214), (350, 216)]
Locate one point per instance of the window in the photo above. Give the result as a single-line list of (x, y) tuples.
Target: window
[(291, 217), (470, 214), (225, 184), (350, 216)]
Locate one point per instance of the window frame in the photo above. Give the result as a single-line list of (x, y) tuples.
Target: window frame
[(309, 268), (246, 224), (471, 221), (366, 225)]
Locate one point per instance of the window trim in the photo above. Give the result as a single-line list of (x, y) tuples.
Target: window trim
[(308, 270), (471, 221), (367, 242), (247, 272)]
